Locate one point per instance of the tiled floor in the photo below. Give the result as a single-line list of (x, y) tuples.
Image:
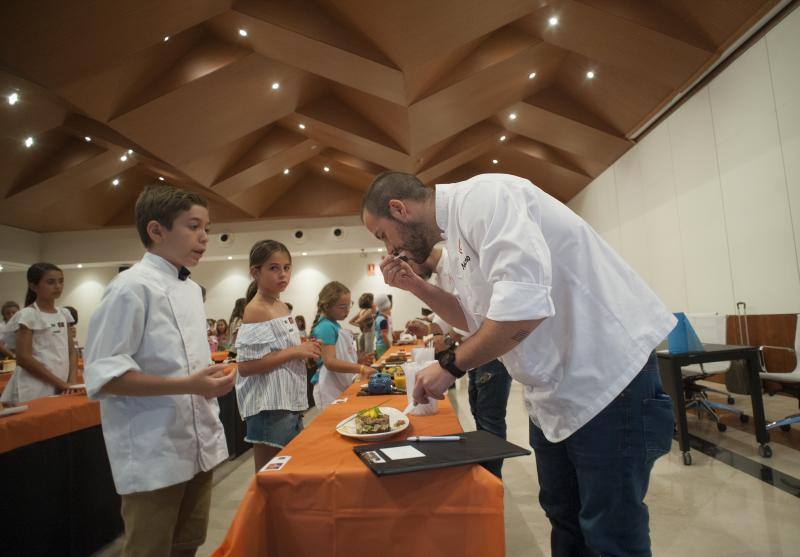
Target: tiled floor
[(709, 508)]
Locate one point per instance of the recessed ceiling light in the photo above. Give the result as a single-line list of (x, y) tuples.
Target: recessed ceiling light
[(380, 250), (115, 182), (13, 99), (87, 139), (495, 161), (531, 75), (305, 253), (326, 168), (1, 267), (130, 151), (512, 116), (301, 126), (161, 178), (29, 142), (166, 38), (123, 158), (276, 86), (286, 171), (242, 32), (503, 138), (590, 74), (553, 21), (230, 258), (80, 265)]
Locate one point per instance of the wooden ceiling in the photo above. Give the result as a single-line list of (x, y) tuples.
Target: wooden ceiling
[(424, 86)]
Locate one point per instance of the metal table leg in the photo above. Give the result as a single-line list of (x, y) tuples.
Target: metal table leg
[(753, 368)]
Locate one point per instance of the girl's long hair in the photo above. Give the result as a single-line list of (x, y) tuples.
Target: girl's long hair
[(328, 297), (36, 273), (259, 254)]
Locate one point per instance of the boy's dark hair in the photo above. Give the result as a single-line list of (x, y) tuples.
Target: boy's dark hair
[(365, 300), (162, 204)]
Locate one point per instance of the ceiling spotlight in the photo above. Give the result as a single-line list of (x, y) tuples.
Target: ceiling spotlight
[(495, 161), (590, 74), (286, 171), (161, 178), (276, 86), (230, 258), (123, 158), (305, 253), (531, 75), (13, 99), (553, 21), (166, 38), (28, 142), (80, 265), (512, 116), (115, 182), (130, 151), (503, 138), (301, 126), (242, 33), (326, 168), (87, 139), (380, 250), (1, 267)]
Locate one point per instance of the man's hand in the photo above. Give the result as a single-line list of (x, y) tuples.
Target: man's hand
[(211, 382), (432, 382), (399, 274)]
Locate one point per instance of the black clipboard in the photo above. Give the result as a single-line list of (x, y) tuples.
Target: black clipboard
[(476, 447)]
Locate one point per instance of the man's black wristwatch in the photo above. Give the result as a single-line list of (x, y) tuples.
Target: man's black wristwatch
[(447, 359)]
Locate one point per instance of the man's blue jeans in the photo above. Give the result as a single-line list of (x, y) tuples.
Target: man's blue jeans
[(489, 386), (592, 485)]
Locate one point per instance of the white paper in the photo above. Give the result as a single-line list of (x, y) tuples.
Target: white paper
[(400, 453)]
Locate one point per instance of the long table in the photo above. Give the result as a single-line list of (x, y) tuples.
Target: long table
[(326, 502), (57, 486)]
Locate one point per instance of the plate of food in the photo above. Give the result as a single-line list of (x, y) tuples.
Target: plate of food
[(373, 424)]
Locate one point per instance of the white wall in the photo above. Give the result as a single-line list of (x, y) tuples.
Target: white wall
[(227, 280), (707, 206)]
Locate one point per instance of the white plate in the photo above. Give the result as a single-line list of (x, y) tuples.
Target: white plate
[(348, 429), (12, 410)]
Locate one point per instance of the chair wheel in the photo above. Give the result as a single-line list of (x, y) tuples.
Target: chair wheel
[(721, 427), (765, 451), (687, 459), (731, 400), (744, 418), (786, 427)]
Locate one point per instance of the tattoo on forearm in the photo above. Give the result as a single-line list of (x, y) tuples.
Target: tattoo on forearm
[(520, 335)]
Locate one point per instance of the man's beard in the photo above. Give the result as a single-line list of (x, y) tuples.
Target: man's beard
[(416, 241)]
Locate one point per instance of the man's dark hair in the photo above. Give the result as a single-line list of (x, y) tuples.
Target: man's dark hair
[(392, 185), (163, 204)]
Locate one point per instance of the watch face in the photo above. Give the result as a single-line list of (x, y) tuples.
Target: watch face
[(446, 358)]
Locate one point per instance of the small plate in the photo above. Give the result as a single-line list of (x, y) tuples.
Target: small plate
[(12, 410), (348, 428)]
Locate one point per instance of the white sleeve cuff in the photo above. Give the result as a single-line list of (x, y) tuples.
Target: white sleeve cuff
[(519, 301), (101, 371)]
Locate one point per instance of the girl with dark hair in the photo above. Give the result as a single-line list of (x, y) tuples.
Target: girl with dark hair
[(271, 386), (340, 363), (223, 334), (236, 319), (365, 321), (46, 359)]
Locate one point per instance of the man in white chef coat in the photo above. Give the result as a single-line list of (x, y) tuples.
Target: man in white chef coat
[(538, 288)]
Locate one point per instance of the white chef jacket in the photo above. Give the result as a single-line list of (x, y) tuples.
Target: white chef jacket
[(150, 321), (444, 280), (49, 345), (517, 254)]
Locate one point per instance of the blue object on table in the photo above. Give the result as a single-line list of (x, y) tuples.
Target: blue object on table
[(380, 384), (683, 338)]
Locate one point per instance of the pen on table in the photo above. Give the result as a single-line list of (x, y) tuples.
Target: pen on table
[(436, 438)]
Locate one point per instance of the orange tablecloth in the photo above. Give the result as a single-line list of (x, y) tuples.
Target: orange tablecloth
[(46, 418), (326, 502)]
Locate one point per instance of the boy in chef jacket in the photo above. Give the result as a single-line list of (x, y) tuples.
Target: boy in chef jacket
[(147, 361)]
